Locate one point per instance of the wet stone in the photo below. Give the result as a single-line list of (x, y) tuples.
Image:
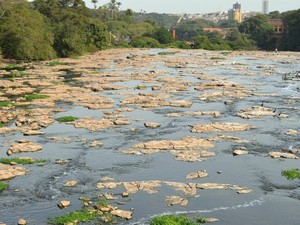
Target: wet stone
[(71, 183), (240, 152), (176, 200), (195, 175), (22, 222), (122, 214), (152, 125), (64, 204), (24, 146), (220, 127)]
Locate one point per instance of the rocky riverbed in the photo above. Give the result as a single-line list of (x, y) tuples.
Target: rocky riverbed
[(185, 132)]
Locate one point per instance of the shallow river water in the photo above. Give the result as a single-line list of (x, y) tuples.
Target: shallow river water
[(273, 200)]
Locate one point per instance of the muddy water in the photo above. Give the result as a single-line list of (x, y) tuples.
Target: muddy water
[(273, 200)]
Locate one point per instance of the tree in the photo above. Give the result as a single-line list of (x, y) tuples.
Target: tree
[(291, 39), (162, 35), (238, 41), (260, 30), (25, 34)]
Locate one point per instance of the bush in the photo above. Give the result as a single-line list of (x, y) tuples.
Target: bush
[(145, 42)]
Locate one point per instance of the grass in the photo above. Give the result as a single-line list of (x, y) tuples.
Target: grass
[(56, 63), (65, 119), (75, 217), (217, 58), (141, 87), (3, 186), (171, 220), (6, 104), (1, 124), (201, 219), (22, 161), (32, 97), (225, 53), (14, 74), (291, 174), (102, 202), (167, 53)]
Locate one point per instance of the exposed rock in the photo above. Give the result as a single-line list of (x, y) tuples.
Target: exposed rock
[(27, 146), (181, 103), (93, 125), (121, 122), (152, 125), (109, 185), (209, 186), (192, 156), (282, 155), (125, 194), (22, 222), (220, 127), (213, 96), (108, 196), (103, 179), (240, 152), (146, 186), (211, 220), (195, 175), (229, 102), (230, 138), (176, 200), (244, 191), (96, 144), (71, 183), (256, 112), (122, 214), (291, 132), (186, 143), (8, 172), (186, 188), (64, 204), (65, 139)]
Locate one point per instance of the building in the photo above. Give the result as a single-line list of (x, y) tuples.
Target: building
[(278, 30), (265, 6), (235, 14)]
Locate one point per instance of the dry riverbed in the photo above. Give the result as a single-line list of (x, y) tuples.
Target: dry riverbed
[(191, 132)]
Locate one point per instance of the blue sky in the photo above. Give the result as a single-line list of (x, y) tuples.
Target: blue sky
[(200, 6)]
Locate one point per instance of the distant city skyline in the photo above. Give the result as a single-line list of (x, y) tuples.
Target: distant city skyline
[(199, 6)]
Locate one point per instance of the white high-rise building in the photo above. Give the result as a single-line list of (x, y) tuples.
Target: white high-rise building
[(265, 6)]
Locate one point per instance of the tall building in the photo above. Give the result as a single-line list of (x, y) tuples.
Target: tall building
[(265, 6), (235, 14)]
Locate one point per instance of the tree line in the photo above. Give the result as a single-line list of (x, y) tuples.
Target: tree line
[(46, 29)]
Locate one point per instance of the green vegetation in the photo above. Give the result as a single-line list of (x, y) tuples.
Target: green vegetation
[(201, 219), (46, 29), (15, 74), (102, 202), (1, 124), (56, 63), (6, 104), (23, 161), (75, 217), (217, 58), (172, 220), (167, 53), (141, 87), (10, 67), (32, 97), (65, 119), (291, 174), (3, 186)]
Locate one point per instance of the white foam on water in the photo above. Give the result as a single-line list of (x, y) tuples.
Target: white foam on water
[(146, 221)]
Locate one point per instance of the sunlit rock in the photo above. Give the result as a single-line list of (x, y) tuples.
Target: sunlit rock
[(8, 172), (220, 127), (122, 214), (24, 146), (256, 112), (198, 174), (71, 183), (176, 200), (282, 155)]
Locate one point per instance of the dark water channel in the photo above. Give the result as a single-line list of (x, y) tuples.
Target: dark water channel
[(273, 201)]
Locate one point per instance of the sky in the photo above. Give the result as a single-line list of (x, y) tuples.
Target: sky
[(199, 6)]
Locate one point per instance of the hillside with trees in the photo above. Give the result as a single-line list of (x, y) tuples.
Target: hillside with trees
[(46, 29)]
